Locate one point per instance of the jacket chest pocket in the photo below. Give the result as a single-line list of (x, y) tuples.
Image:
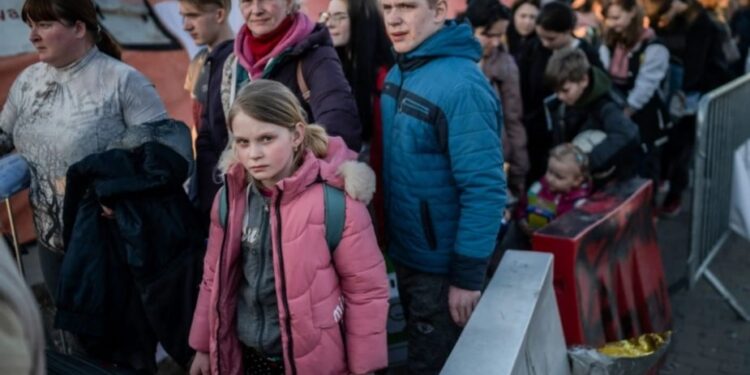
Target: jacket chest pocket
[(430, 130)]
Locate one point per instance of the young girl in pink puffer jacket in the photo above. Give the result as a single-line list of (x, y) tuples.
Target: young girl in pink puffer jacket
[(274, 298)]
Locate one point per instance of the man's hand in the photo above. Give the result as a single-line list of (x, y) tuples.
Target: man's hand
[(200, 365), (462, 303)]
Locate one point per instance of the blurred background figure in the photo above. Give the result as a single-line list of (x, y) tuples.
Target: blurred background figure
[(588, 20), (207, 22), (698, 64), (637, 62), (554, 30), (490, 20), (358, 34), (21, 333), (739, 24), (522, 29)]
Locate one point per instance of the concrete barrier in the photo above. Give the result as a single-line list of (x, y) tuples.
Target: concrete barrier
[(515, 329)]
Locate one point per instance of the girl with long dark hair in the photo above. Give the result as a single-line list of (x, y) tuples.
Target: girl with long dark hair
[(358, 33), (522, 29)]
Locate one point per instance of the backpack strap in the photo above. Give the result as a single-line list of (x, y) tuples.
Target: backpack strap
[(223, 206), (301, 82), (335, 215)]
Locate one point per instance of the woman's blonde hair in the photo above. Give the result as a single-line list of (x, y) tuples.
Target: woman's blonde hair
[(632, 33), (272, 102)]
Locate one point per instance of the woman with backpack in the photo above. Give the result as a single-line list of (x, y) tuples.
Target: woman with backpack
[(284, 289), (637, 63)]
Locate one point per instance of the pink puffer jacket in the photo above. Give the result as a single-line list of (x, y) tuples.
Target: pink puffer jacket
[(309, 288)]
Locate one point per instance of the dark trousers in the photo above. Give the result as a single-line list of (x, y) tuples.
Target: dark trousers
[(430, 329), (678, 157), (649, 167), (50, 262), (257, 364)]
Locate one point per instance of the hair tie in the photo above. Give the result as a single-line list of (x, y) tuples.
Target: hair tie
[(98, 32)]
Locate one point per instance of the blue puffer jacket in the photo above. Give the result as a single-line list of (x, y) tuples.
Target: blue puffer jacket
[(442, 171)]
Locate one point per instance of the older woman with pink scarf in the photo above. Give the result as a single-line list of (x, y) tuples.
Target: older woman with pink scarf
[(280, 43)]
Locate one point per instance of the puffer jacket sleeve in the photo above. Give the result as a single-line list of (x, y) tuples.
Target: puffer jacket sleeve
[(331, 99), (476, 159), (364, 283), (622, 136), (200, 329)]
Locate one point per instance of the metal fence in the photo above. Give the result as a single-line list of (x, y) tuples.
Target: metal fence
[(723, 124)]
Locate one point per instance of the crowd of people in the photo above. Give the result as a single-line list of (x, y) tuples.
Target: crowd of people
[(442, 133)]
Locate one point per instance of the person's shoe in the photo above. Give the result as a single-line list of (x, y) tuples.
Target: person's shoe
[(663, 187), (671, 208)]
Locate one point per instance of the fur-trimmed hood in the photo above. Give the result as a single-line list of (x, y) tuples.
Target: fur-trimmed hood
[(339, 169)]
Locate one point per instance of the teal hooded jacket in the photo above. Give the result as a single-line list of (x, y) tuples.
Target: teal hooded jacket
[(442, 160)]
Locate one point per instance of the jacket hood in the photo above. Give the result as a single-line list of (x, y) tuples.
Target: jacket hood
[(339, 169), (599, 85), (452, 40), (318, 37)]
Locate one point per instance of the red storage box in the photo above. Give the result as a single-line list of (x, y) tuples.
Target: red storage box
[(608, 274)]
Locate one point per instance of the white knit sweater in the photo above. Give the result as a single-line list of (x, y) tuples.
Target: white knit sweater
[(56, 117)]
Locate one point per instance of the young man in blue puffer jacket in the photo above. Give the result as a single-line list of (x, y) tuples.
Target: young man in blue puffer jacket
[(442, 173)]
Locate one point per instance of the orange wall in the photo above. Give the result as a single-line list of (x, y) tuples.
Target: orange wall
[(314, 7), (166, 69)]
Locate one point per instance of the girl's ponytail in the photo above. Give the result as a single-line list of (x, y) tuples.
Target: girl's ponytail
[(316, 140)]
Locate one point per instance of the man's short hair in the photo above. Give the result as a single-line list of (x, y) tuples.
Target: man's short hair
[(433, 3), (566, 65), (203, 4), (556, 16)]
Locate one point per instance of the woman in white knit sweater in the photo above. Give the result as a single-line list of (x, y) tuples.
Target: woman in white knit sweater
[(74, 102)]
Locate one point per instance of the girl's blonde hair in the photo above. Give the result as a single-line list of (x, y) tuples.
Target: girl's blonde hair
[(272, 102)]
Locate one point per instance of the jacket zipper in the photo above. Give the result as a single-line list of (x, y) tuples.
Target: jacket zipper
[(218, 283), (290, 346), (262, 268)]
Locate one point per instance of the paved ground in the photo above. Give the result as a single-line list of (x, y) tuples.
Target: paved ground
[(709, 338)]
